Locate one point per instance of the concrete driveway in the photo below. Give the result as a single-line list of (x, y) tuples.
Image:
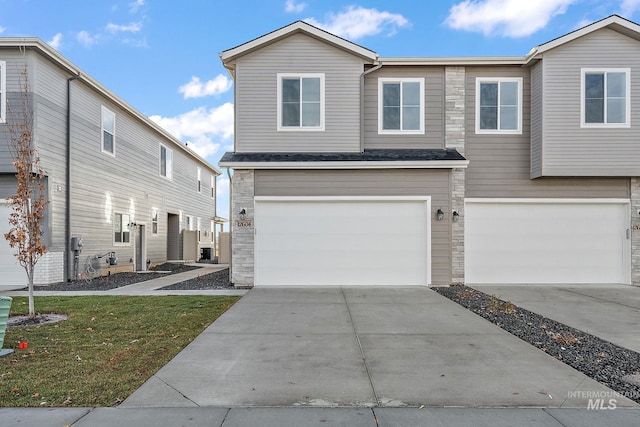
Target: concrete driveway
[(360, 347)]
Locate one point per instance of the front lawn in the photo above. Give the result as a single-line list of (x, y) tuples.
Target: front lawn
[(107, 348)]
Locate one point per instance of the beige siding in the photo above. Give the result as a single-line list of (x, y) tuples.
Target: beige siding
[(536, 119), (256, 97), (434, 183), (570, 150), (499, 165), (433, 112)]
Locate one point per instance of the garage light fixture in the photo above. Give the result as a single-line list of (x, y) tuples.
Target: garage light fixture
[(243, 214), (455, 216), (439, 214)]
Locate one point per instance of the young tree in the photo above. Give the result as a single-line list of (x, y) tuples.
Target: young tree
[(30, 201)]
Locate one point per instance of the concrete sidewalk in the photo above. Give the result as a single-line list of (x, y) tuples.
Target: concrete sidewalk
[(376, 347), (316, 417), (610, 312)]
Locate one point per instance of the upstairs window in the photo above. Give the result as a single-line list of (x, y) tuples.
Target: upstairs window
[(301, 102), (154, 220), (3, 92), (166, 162), (605, 97), (199, 178), (213, 186), (401, 106), (121, 230), (108, 131), (499, 105)]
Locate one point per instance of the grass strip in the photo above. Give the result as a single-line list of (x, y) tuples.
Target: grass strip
[(107, 348)]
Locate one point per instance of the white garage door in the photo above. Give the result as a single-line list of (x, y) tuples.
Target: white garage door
[(12, 272), (545, 241), (338, 241)]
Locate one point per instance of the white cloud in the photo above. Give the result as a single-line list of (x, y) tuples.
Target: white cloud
[(357, 22), (196, 89), (510, 18), (2, 30), (628, 7), (291, 6), (133, 27), (202, 128), (86, 39), (222, 187), (135, 6), (56, 41)]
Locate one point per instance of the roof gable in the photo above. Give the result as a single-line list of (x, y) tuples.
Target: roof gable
[(613, 22), (230, 55)]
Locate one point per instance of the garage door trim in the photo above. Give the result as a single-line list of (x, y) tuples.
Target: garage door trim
[(424, 199)]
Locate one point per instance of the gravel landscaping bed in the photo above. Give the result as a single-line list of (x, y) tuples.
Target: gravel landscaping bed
[(217, 280), (117, 280), (616, 367)]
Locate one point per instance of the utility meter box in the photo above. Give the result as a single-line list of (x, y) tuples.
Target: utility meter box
[(77, 243)]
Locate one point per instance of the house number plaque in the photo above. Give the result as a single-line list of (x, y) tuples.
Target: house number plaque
[(244, 223)]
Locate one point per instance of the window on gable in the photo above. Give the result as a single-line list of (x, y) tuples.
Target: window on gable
[(401, 105), (154, 221), (300, 101), (166, 162), (3, 92), (121, 231), (499, 105), (108, 131), (605, 97)]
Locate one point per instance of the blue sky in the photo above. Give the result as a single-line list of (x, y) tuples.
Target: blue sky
[(161, 56)]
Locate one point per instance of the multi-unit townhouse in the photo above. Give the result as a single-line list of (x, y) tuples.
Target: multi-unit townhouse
[(114, 178), (349, 168)]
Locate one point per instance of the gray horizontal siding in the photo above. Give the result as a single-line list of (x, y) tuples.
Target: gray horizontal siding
[(536, 119), (433, 112), (256, 97), (434, 183), (499, 165), (569, 150)]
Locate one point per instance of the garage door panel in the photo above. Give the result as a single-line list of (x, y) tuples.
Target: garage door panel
[(324, 242), (555, 242)]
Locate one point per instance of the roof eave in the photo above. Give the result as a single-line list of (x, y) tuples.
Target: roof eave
[(396, 164), (455, 61)]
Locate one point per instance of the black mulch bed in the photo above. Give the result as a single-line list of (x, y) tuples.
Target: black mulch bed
[(217, 280), (616, 367), (117, 280)]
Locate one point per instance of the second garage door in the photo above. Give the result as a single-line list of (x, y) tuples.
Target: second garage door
[(547, 241), (342, 241)]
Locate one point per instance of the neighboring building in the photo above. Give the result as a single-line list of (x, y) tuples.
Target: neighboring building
[(133, 188), (355, 169)]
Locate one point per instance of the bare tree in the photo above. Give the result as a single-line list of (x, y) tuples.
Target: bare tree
[(30, 201)]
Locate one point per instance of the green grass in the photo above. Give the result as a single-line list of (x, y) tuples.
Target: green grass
[(107, 348)]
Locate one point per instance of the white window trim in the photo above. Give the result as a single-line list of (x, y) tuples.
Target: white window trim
[(104, 111), (169, 174), (212, 225), (213, 186), (627, 124), (113, 233), (156, 221), (381, 82), (3, 91), (518, 130), (279, 109), (189, 226), (199, 179)]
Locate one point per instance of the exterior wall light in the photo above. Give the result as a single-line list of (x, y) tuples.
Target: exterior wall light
[(439, 214), (456, 216), (243, 214)]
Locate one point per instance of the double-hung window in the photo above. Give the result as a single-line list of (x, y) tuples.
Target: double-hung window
[(401, 105), (213, 186), (108, 131), (3, 91), (154, 221), (301, 102), (199, 177), (499, 105), (605, 97), (166, 162), (121, 230)]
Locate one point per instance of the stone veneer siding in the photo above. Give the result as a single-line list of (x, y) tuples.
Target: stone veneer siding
[(455, 138), (242, 241), (635, 234)]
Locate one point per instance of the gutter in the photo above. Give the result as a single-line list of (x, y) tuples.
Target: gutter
[(230, 226), (67, 185), (364, 73)]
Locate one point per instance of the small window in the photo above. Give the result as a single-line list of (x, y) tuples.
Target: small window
[(108, 131), (154, 221), (166, 162), (212, 225), (401, 106), (301, 102), (199, 178), (3, 92), (499, 105), (121, 231), (189, 223), (198, 225), (605, 97), (213, 186)]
